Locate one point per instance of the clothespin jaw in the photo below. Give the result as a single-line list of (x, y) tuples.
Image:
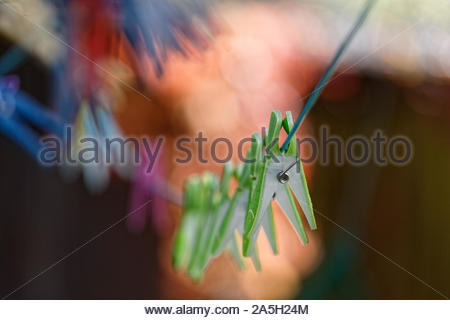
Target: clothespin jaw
[(272, 139), (288, 123), (297, 181)]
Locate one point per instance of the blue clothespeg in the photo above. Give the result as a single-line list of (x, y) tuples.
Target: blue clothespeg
[(157, 27), (18, 111)]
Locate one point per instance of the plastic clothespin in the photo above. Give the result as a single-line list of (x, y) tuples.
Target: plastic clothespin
[(18, 110), (206, 203), (191, 250), (273, 183), (8, 90), (233, 212), (94, 124), (183, 247), (157, 28), (38, 115), (95, 173), (202, 250), (118, 154), (22, 107)]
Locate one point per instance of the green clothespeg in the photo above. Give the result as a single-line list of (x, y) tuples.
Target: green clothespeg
[(193, 204), (206, 202), (274, 183), (229, 227), (234, 216), (201, 253), (201, 196), (214, 222)]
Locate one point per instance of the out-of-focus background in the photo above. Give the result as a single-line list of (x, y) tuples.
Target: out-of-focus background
[(174, 68)]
